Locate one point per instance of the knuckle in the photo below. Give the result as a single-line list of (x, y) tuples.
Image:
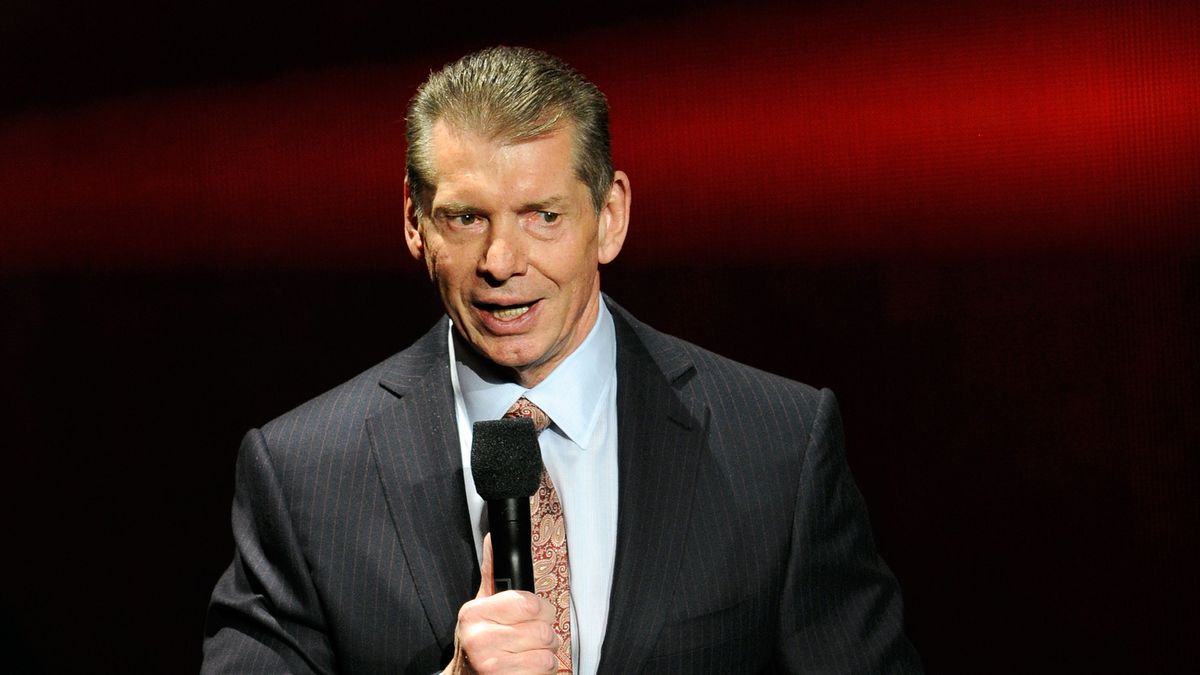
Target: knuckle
[(475, 637), (534, 604)]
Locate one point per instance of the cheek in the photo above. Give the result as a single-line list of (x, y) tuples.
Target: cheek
[(447, 269), (436, 257), (578, 267), (431, 262)]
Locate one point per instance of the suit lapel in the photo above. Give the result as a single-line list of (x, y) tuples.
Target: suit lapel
[(661, 436), (416, 448)]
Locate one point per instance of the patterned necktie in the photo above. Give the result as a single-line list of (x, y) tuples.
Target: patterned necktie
[(551, 571)]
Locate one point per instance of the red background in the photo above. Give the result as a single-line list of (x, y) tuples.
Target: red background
[(978, 224)]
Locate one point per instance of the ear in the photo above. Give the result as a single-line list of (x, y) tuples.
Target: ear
[(614, 218), (412, 228)]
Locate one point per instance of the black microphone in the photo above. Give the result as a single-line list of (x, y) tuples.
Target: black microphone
[(506, 463)]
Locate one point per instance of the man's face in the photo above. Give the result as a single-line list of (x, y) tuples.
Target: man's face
[(513, 242)]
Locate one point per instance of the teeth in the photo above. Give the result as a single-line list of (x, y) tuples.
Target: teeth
[(509, 313)]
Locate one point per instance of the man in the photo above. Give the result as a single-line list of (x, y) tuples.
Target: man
[(710, 522)]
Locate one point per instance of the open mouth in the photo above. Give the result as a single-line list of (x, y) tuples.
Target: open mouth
[(509, 313), (506, 312)]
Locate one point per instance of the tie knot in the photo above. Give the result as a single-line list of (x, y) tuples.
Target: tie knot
[(525, 408)]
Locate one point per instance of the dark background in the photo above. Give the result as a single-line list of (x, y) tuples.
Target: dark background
[(977, 224)]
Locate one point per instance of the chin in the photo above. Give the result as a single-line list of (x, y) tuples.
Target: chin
[(504, 355), (518, 361)]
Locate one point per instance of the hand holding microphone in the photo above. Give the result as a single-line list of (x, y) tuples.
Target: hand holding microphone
[(506, 628)]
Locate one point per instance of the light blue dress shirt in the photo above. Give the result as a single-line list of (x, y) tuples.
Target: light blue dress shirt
[(579, 450)]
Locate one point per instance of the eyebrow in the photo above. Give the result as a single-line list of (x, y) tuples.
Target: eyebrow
[(553, 203), (454, 207), (548, 204)]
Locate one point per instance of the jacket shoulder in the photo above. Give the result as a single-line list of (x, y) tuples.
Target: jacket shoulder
[(688, 365), (337, 416)]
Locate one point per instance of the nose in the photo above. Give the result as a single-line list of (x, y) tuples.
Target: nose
[(505, 255)]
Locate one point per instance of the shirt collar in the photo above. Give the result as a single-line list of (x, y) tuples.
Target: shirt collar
[(570, 394)]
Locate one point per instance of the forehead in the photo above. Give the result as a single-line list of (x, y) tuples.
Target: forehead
[(467, 164)]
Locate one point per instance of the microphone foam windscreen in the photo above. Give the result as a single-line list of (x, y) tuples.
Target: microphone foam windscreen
[(506, 460)]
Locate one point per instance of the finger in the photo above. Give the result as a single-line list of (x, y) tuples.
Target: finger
[(487, 584), (546, 612), (540, 661), (507, 630), (486, 640), (507, 608)]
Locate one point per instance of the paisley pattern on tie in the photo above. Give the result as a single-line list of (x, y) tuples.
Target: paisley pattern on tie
[(525, 408), (551, 567)]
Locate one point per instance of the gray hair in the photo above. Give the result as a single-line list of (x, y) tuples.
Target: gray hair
[(511, 94)]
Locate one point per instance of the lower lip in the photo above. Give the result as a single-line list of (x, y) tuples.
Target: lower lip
[(498, 326)]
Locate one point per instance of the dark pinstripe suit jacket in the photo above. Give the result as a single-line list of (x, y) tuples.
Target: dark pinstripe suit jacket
[(743, 544)]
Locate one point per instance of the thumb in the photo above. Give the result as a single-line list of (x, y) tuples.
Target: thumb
[(487, 585)]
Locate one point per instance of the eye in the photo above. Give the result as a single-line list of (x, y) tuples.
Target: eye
[(464, 219), (549, 216)]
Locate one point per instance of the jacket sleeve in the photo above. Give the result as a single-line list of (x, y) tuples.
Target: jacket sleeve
[(841, 610), (264, 615)]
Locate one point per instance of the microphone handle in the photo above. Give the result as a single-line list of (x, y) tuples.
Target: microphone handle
[(512, 556)]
